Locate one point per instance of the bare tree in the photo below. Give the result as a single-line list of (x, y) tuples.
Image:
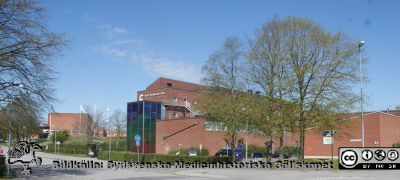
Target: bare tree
[(118, 119), (91, 122), (26, 50)]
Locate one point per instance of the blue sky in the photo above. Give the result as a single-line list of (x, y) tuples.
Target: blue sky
[(119, 47)]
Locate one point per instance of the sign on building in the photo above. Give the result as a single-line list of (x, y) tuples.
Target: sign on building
[(327, 140)]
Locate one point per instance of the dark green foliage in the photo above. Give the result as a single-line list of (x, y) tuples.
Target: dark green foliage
[(254, 148), (61, 136), (396, 145)]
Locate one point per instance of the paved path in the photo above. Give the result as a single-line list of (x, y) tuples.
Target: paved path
[(45, 171)]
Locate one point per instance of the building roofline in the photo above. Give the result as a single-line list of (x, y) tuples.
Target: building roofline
[(372, 112), (365, 114), (168, 79), (64, 113)]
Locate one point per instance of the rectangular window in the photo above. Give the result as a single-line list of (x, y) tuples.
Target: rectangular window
[(207, 126), (185, 101)]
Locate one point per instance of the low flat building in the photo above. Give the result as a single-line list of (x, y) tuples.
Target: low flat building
[(381, 129), (164, 118)]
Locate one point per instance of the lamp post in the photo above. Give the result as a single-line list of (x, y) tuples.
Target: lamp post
[(361, 94), (55, 140), (180, 145), (25, 139), (109, 133), (247, 132)]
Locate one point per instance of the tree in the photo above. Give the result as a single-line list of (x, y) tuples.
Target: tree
[(60, 136), (91, 121), (316, 69), (323, 66), (24, 118), (305, 72), (118, 119), (224, 101), (267, 70), (26, 50)]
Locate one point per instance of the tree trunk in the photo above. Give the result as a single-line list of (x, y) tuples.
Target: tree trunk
[(281, 145), (302, 138)]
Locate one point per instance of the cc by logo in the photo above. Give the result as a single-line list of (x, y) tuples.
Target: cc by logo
[(348, 158)]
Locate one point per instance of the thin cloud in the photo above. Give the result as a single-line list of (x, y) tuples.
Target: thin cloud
[(139, 53), (129, 42), (114, 30), (154, 65), (112, 51), (167, 68)]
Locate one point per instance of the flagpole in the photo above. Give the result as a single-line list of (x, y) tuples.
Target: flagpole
[(80, 119)]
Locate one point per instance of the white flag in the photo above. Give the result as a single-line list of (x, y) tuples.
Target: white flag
[(82, 109)]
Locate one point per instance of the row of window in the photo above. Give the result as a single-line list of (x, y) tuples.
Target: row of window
[(217, 126)]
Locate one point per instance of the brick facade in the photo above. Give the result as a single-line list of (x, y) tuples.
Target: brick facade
[(65, 121), (381, 129)]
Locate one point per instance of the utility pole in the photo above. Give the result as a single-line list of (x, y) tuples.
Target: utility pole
[(109, 134), (361, 94)]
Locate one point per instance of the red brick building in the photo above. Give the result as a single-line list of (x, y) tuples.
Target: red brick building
[(381, 129), (178, 98), (65, 121), (74, 123)]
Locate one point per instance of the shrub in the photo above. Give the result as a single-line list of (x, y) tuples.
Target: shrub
[(67, 149), (164, 158), (185, 152), (396, 145), (253, 148), (292, 150), (61, 136)]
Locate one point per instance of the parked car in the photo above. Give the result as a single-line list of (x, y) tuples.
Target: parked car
[(224, 152)]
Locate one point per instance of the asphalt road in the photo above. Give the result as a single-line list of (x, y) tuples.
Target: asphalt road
[(46, 171)]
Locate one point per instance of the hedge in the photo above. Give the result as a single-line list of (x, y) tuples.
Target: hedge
[(2, 165), (164, 158), (66, 149)]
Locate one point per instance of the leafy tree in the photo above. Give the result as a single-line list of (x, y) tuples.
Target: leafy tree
[(306, 75), (60, 136), (296, 60), (224, 102)]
